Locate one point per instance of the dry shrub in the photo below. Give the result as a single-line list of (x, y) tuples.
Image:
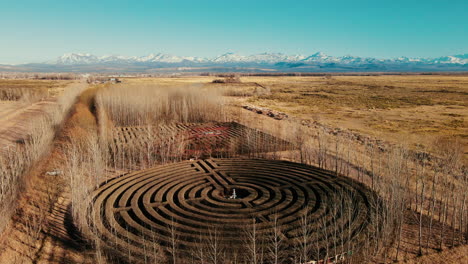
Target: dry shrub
[(150, 104), (239, 91), (85, 171), (228, 79), (23, 94), (40, 76), (16, 161), (450, 151), (427, 185), (13, 164), (27, 90), (151, 107)]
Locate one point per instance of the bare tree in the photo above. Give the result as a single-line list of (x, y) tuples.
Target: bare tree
[(215, 249), (276, 247), (253, 243), (305, 235), (174, 241)]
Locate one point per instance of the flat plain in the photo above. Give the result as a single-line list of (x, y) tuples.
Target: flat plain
[(415, 110)]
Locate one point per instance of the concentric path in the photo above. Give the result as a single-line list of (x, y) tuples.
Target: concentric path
[(188, 200)]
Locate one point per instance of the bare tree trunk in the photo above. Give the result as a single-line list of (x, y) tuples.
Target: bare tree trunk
[(421, 219), (462, 219), (275, 246), (444, 219), (174, 241), (454, 213), (431, 213), (214, 252), (304, 237), (252, 242)]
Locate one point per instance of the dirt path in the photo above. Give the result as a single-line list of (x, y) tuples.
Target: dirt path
[(17, 120), (41, 229), (39, 232)]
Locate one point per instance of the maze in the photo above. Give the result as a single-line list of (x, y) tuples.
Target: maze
[(204, 140), (190, 199)]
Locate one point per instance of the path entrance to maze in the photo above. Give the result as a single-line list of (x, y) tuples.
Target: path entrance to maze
[(201, 140), (186, 202)]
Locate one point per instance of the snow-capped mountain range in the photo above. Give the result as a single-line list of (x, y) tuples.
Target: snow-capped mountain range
[(232, 62), (263, 58)]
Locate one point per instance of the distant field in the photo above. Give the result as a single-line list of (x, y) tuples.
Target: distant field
[(413, 110), (13, 90)]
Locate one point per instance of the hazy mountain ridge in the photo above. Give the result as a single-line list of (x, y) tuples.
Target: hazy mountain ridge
[(263, 58), (232, 62)]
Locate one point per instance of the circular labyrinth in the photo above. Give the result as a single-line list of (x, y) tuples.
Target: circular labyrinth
[(188, 200)]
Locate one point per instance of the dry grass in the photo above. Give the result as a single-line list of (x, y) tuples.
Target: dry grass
[(15, 161), (39, 230), (30, 90), (425, 198), (417, 108), (136, 104), (456, 255), (152, 107)]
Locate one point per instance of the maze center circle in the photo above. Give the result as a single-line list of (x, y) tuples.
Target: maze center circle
[(191, 200)]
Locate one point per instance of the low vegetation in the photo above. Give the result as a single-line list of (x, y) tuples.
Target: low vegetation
[(345, 125), (17, 160), (418, 108), (29, 90)]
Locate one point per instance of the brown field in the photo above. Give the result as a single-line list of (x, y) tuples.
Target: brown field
[(359, 169), (418, 109)]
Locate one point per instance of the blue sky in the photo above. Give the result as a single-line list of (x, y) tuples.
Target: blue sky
[(34, 30)]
